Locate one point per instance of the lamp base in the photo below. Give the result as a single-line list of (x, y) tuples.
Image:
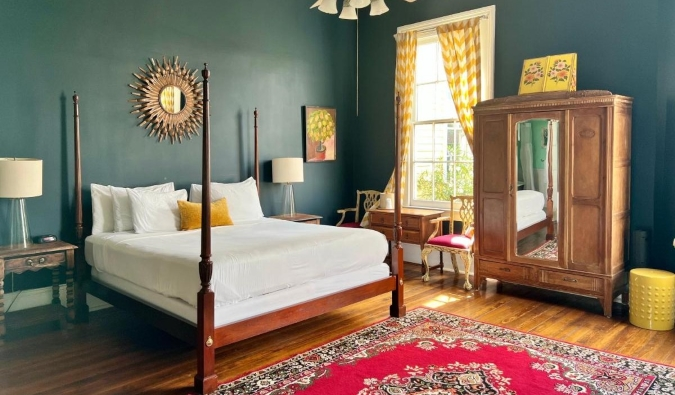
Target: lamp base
[(19, 231), (289, 200)]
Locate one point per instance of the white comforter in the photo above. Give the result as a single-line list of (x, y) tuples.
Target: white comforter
[(250, 259)]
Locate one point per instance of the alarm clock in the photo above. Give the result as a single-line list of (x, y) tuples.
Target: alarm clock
[(45, 239)]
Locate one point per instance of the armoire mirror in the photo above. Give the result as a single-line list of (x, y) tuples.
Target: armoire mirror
[(169, 99), (536, 207)]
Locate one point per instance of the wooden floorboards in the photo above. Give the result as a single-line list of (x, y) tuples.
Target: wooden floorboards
[(117, 354)]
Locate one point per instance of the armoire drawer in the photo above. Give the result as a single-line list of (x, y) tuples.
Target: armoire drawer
[(573, 281), (503, 271)]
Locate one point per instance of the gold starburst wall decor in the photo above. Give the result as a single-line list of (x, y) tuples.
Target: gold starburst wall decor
[(169, 100)]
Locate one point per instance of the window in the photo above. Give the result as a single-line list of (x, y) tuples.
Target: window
[(441, 161)]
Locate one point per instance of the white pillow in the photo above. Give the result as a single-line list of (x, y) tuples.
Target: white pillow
[(155, 211), (243, 201), (102, 209), (121, 205)]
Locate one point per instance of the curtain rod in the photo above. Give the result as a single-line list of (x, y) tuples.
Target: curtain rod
[(430, 26)]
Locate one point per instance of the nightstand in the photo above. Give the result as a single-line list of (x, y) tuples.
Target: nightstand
[(304, 218), (37, 257)]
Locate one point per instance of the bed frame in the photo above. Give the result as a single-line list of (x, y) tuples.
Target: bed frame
[(205, 336)]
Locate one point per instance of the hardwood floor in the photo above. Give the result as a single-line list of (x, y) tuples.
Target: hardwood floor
[(116, 354)]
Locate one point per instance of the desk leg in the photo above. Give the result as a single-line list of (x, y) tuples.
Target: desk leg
[(2, 302), (56, 298), (70, 294)]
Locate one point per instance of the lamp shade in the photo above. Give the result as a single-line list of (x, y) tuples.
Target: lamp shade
[(348, 13), (20, 177), (287, 170), (377, 7), (328, 6)]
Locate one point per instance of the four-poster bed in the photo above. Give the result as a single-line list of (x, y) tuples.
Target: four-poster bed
[(210, 328)]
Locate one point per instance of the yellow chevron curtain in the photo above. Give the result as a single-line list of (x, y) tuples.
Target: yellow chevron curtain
[(460, 46), (404, 85), (406, 57)]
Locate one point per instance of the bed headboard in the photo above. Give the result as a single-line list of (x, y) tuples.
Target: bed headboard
[(78, 207)]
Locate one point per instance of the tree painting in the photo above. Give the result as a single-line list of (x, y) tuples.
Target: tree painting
[(320, 132)]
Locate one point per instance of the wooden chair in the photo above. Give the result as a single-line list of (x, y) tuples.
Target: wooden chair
[(370, 199), (455, 244)]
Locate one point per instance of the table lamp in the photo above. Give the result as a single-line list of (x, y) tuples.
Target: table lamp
[(287, 171), (20, 178)]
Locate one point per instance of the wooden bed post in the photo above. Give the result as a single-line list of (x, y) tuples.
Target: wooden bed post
[(81, 268), (397, 308), (550, 231), (206, 380), (255, 155)]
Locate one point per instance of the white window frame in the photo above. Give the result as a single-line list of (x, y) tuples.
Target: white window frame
[(426, 30)]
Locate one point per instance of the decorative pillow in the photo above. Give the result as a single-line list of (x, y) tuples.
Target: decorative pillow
[(242, 198), (121, 204), (191, 214), (155, 211), (102, 209)]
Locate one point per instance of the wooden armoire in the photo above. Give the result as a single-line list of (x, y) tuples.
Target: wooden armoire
[(580, 162)]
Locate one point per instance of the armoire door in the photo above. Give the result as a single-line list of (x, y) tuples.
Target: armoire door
[(492, 184), (587, 189)]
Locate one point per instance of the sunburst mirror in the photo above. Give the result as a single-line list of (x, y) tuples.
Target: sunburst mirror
[(169, 100)]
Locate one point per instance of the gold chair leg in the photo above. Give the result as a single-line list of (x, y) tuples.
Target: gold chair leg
[(467, 258), (425, 253), (453, 259)]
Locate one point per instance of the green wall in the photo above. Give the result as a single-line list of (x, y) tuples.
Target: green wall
[(620, 45), (274, 55)]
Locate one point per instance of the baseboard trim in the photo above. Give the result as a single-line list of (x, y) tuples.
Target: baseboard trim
[(26, 299)]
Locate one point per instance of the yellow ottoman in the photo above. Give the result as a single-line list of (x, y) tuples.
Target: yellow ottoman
[(652, 299)]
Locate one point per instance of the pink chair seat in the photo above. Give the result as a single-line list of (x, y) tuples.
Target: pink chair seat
[(452, 241), (350, 225)]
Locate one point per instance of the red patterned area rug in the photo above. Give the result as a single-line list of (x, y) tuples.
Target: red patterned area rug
[(548, 250), (432, 353)]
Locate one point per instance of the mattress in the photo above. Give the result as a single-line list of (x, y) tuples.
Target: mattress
[(249, 259), (227, 314), (529, 202), (523, 222)]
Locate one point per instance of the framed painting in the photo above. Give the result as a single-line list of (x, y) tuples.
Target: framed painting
[(320, 134)]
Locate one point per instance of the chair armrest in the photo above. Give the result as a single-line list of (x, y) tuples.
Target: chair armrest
[(440, 219), (344, 211)]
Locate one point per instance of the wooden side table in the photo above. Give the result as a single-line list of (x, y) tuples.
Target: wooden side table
[(37, 257), (304, 218), (416, 223)]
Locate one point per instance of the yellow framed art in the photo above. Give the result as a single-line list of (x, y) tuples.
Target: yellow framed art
[(532, 76), (549, 74)]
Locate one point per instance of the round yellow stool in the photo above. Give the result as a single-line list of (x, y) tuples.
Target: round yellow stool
[(652, 299)]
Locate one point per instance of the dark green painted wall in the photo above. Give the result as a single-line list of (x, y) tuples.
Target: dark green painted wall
[(619, 45), (274, 55), (663, 253)]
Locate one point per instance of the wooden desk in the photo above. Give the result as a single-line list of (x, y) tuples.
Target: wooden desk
[(37, 257), (415, 222), (304, 218)]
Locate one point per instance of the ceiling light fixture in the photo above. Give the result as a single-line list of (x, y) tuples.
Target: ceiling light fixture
[(349, 7)]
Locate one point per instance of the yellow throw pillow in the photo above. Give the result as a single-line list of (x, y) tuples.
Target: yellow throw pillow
[(191, 214)]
